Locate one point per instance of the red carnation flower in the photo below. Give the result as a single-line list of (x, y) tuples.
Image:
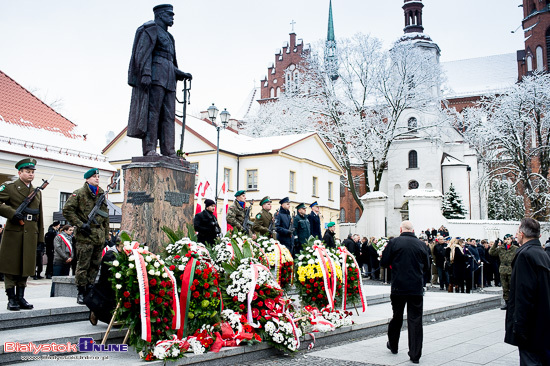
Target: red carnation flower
[(166, 304), (315, 284), (261, 293), (257, 337), (311, 280), (320, 296), (126, 294), (215, 282), (162, 292), (151, 297), (206, 285), (164, 284), (153, 282), (165, 320), (198, 271), (155, 313), (198, 263), (196, 294), (267, 292), (308, 286), (172, 267), (136, 301), (255, 296), (308, 292), (177, 257), (257, 287), (193, 288), (158, 300), (207, 294), (158, 320), (195, 282), (260, 303), (241, 306), (263, 312), (159, 332), (167, 327), (235, 298), (205, 276), (181, 277), (127, 305)]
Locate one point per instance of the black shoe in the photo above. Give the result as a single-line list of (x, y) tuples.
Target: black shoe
[(23, 304), (48, 277), (504, 307), (12, 300), (34, 277), (80, 296), (388, 346), (415, 361)]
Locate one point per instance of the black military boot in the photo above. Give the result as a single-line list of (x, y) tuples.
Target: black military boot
[(80, 296), (12, 300), (23, 304)]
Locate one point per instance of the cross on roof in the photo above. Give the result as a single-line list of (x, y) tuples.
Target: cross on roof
[(292, 24)]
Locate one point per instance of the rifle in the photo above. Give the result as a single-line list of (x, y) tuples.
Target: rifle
[(246, 222), (186, 100), (96, 210), (291, 228), (272, 223), (23, 206)]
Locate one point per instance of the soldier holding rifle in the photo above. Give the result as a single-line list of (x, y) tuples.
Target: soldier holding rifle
[(264, 219), (91, 231), (21, 204)]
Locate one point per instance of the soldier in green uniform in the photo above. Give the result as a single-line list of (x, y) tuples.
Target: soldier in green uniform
[(263, 219), (90, 238), (236, 212), (506, 252), (18, 245)]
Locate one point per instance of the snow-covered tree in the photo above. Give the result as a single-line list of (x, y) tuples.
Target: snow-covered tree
[(503, 202), (357, 114), (511, 133), (452, 206)]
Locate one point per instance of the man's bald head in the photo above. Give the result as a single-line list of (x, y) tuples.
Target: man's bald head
[(406, 227)]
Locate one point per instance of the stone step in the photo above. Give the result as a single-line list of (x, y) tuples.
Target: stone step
[(49, 310)]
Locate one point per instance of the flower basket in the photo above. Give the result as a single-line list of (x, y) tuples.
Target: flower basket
[(280, 261), (352, 290)]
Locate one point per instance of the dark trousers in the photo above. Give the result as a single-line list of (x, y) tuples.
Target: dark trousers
[(414, 323), (529, 358), (443, 277), (39, 259), (49, 266), (162, 109)]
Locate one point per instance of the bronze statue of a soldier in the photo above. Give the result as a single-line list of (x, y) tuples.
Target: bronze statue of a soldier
[(153, 74)]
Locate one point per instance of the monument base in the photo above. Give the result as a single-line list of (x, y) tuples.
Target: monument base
[(158, 191)]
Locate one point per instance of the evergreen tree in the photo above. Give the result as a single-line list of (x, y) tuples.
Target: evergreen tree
[(503, 202), (452, 206)]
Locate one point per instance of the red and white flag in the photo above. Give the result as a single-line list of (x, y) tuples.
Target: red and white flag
[(200, 196), (223, 218)]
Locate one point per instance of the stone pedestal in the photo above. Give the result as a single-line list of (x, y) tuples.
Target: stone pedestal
[(425, 209), (158, 191), (373, 220)]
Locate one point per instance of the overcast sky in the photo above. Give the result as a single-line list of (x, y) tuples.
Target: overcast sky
[(78, 51)]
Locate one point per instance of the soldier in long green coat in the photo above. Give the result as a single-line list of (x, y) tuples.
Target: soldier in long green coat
[(263, 218), (236, 212), (18, 245), (90, 239), (506, 253)]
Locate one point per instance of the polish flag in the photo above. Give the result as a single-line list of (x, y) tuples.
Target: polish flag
[(198, 207), (223, 219)]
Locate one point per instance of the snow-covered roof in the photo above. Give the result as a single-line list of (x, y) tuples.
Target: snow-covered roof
[(423, 193), (449, 160), (374, 195), (481, 75), (233, 142), (29, 127)]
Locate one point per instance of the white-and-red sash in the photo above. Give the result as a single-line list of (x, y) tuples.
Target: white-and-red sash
[(145, 308), (255, 272), (322, 257), (344, 253), (67, 244)]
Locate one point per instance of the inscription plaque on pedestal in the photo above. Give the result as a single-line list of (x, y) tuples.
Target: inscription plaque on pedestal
[(158, 191)]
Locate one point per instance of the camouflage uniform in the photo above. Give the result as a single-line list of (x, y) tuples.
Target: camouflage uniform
[(88, 248), (235, 216), (506, 257), (262, 222)]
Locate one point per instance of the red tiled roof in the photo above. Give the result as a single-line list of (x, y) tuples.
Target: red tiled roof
[(20, 107)]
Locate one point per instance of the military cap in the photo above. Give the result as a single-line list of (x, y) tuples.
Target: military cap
[(238, 193), (301, 205), (90, 173), (507, 236), (331, 224), (163, 7), (314, 204), (284, 200), (27, 163), (264, 200)]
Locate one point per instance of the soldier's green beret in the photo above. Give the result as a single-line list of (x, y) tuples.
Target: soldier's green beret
[(90, 173), (238, 193), (301, 205), (313, 204), (264, 200), (27, 163), (331, 224)]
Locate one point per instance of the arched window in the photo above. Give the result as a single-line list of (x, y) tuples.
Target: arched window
[(429, 186), (342, 215), (540, 60), (277, 92), (357, 214), (412, 124), (529, 63), (413, 159), (272, 93)]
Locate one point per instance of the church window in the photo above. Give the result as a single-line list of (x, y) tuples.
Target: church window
[(412, 124), (429, 186), (529, 63), (342, 215), (413, 159), (272, 93), (540, 61), (413, 184), (277, 92), (357, 215)]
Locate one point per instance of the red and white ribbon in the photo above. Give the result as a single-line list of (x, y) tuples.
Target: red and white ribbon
[(67, 245), (168, 343), (322, 257), (145, 309), (176, 319), (344, 253), (294, 329), (254, 268)]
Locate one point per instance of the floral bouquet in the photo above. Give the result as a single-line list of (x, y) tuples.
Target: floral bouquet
[(234, 245), (380, 245), (236, 329), (319, 275), (280, 261), (148, 302), (352, 290)]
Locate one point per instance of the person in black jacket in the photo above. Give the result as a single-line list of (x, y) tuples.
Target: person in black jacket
[(349, 243), (408, 259), (206, 224), (439, 254), (48, 239), (283, 225), (528, 312), (328, 238), (314, 219)]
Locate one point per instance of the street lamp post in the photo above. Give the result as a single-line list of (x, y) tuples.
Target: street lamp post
[(224, 117)]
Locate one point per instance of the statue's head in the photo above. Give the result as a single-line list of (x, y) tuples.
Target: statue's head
[(165, 13)]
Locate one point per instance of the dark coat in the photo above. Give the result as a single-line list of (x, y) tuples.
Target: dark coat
[(314, 224), (408, 258), (439, 254), (302, 231), (328, 238), (282, 226), (207, 226), (528, 313), (102, 299), (18, 245), (350, 245)]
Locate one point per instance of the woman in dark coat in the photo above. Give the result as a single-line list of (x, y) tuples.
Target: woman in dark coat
[(459, 263)]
